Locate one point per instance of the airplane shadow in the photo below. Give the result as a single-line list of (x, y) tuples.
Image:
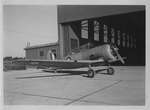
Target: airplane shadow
[(64, 73)]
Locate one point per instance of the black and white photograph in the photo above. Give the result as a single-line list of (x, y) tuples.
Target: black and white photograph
[(74, 55)]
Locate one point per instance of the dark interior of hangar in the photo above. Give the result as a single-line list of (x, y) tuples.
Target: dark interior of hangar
[(127, 31)]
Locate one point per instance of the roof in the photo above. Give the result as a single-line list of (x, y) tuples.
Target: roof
[(69, 13), (41, 45)]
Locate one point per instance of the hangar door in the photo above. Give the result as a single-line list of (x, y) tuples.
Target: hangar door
[(126, 31)]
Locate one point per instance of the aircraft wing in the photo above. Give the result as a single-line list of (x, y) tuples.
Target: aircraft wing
[(62, 64)]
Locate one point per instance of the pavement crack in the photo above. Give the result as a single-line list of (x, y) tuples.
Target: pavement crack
[(63, 98), (97, 102), (106, 87), (38, 95)]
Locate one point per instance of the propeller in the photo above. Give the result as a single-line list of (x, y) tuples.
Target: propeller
[(115, 49), (119, 57)]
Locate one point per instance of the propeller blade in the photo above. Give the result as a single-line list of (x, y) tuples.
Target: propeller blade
[(119, 57), (115, 49)]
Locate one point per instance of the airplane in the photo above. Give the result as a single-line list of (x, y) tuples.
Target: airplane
[(90, 57)]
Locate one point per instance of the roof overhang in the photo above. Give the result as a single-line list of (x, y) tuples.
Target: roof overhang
[(68, 13), (41, 46)]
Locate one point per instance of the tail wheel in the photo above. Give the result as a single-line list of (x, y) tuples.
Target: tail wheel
[(110, 71), (91, 73)]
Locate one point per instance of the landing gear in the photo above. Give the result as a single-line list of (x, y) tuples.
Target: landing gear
[(110, 71), (91, 73), (68, 58)]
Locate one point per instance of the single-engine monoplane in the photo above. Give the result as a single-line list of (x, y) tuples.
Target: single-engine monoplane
[(91, 57)]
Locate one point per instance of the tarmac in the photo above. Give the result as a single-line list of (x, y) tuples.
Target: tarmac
[(35, 87)]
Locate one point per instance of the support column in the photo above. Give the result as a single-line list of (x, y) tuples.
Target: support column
[(109, 33), (101, 32), (60, 40), (116, 37), (63, 40), (90, 31)]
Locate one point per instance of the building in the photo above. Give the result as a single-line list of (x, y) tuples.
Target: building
[(42, 51), (78, 25), (123, 25)]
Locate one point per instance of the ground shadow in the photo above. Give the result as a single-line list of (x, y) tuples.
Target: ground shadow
[(65, 73)]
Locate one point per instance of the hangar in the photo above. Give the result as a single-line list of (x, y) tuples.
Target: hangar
[(123, 25), (81, 25)]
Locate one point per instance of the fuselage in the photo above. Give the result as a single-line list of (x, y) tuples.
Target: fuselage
[(104, 51)]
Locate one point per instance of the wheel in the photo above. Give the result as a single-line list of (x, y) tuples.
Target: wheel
[(68, 58), (91, 73), (110, 71)]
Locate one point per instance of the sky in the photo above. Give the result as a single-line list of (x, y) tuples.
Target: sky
[(27, 23)]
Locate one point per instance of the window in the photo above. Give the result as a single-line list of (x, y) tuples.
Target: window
[(113, 35), (131, 45), (123, 40), (128, 43), (96, 30), (134, 43), (74, 43), (84, 29), (118, 41), (105, 33), (41, 53)]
